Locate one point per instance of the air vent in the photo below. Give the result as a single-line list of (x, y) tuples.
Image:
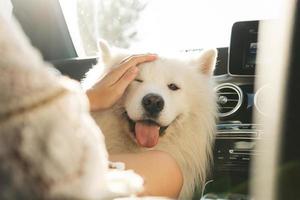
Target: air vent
[(230, 98)]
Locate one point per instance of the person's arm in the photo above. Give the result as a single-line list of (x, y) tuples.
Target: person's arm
[(162, 175)]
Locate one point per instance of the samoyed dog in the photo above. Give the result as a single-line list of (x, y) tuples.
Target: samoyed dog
[(170, 107)]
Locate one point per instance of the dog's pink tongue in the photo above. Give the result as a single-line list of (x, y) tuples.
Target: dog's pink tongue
[(146, 135)]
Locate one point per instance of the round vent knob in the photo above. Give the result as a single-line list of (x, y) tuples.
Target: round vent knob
[(262, 97), (230, 98)]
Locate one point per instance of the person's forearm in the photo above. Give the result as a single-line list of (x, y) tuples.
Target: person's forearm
[(160, 171)]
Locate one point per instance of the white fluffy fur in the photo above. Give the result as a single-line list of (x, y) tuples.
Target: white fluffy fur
[(190, 111), (50, 147)]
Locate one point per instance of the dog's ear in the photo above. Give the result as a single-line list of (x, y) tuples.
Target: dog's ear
[(207, 61), (105, 51)]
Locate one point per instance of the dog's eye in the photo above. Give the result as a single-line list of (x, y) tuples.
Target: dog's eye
[(173, 86), (138, 80)]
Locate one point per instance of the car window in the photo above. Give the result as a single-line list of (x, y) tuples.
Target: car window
[(164, 25)]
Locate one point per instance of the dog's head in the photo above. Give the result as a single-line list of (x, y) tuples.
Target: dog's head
[(164, 91)]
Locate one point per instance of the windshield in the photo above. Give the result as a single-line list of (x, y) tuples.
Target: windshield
[(159, 25)]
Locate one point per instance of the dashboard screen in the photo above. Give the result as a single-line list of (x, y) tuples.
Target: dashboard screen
[(243, 48), (251, 56)]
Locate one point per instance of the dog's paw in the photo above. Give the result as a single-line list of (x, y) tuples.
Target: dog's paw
[(124, 183)]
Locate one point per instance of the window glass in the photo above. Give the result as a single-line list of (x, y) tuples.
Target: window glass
[(164, 25)]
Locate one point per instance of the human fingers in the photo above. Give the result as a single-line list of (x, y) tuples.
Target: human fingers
[(135, 56), (121, 85), (131, 61)]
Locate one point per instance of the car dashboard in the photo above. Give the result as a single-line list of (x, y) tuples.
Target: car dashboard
[(237, 99)]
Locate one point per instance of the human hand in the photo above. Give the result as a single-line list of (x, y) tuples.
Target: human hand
[(108, 90)]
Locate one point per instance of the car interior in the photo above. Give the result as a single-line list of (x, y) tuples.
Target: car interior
[(242, 95)]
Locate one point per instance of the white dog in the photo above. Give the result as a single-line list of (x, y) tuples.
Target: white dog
[(169, 107)]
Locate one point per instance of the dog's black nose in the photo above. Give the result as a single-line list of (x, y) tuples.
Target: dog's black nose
[(153, 103)]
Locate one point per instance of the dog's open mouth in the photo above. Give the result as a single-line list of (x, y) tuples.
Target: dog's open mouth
[(146, 132)]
